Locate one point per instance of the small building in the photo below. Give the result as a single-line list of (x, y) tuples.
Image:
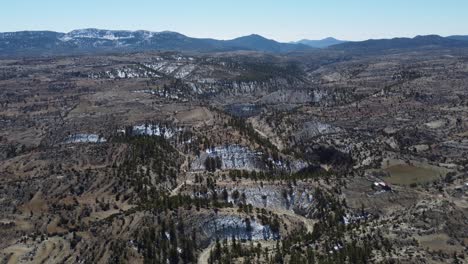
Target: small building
[(382, 186)]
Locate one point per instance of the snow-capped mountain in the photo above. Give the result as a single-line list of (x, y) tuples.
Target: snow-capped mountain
[(98, 40)]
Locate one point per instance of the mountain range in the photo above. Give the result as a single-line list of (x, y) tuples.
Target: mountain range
[(459, 37), (97, 40), (418, 42), (87, 41)]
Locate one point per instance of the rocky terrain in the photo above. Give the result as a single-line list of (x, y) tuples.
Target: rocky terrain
[(325, 156)]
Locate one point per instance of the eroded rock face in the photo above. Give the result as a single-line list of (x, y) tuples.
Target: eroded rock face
[(313, 129), (236, 157), (291, 165), (232, 157), (276, 198), (227, 226), (84, 138)]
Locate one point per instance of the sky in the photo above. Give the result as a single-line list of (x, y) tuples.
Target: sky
[(282, 20)]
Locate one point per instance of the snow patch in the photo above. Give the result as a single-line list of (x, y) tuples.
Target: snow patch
[(84, 138)]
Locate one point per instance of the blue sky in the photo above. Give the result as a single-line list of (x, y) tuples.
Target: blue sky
[(283, 20)]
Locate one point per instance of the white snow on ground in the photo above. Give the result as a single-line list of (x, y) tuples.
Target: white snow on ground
[(164, 66), (153, 130), (85, 138), (125, 73), (156, 66), (153, 92), (184, 71), (170, 94), (170, 69), (101, 34)]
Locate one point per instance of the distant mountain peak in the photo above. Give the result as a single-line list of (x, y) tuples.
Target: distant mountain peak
[(322, 43), (254, 37), (428, 37), (258, 42)]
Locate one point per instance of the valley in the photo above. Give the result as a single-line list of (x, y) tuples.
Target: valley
[(304, 156)]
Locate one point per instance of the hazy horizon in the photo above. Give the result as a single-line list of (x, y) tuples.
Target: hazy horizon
[(253, 33), (285, 22)]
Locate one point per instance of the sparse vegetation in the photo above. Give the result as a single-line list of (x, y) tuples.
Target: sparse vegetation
[(167, 157)]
